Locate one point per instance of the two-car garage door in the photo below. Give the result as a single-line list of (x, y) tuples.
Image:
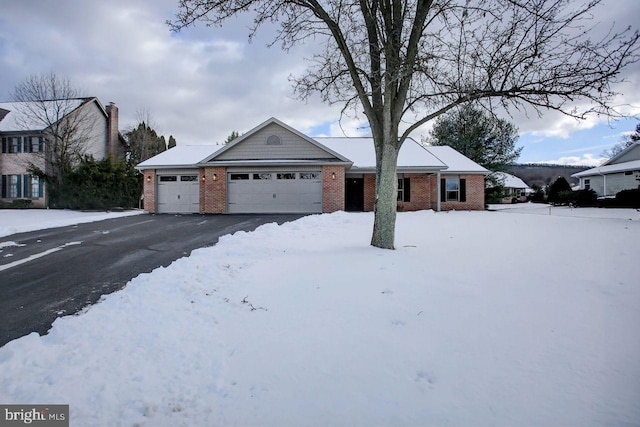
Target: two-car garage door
[(274, 192)]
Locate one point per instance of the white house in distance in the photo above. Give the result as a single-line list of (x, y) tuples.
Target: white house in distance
[(621, 172), (274, 168), (515, 189), (24, 140)]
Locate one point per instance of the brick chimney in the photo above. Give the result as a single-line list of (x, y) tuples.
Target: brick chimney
[(113, 140)]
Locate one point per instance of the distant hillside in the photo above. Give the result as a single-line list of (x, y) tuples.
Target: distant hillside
[(541, 174)]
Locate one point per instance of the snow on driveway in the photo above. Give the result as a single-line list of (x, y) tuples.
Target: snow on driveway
[(477, 318), (14, 221)]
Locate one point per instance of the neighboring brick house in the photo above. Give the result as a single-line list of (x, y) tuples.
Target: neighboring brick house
[(621, 172), (275, 168), (25, 140)]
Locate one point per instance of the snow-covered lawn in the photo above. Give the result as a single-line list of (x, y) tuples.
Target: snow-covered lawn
[(22, 220), (510, 318)]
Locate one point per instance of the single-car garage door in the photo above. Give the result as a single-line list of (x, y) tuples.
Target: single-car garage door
[(178, 193), (274, 192)]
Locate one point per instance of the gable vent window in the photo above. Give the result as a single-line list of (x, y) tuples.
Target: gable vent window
[(274, 140)]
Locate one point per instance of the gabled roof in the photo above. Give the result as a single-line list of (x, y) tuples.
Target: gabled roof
[(180, 156), (613, 160), (361, 152), (603, 170), (611, 165), (263, 125), (357, 154), (509, 181), (19, 117), (456, 162)]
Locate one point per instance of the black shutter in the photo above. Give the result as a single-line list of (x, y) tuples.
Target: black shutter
[(4, 186), (407, 190), (443, 190), (25, 144), (463, 190), (4, 144)]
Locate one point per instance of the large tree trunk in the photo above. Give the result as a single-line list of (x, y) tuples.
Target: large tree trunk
[(386, 196)]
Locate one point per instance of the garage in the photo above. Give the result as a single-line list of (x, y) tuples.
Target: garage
[(266, 191), (178, 193)]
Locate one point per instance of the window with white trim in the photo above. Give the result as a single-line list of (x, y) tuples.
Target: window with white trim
[(14, 186), (36, 187), (452, 188)]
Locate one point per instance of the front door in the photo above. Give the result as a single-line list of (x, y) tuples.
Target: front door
[(354, 197)]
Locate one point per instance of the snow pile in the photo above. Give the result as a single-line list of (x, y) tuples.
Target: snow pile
[(478, 318), (22, 220)]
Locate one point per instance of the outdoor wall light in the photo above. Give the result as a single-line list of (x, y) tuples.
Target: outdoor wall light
[(215, 177), (203, 178), (333, 175), (148, 178)]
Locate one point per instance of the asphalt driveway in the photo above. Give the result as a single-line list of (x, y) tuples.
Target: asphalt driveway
[(56, 272)]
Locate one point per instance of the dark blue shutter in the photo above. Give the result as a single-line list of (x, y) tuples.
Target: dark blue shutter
[(40, 144), (39, 187), (4, 144), (26, 180), (25, 144), (18, 186), (4, 186), (463, 190)]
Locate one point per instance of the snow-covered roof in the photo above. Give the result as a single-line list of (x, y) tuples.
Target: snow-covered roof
[(358, 150), (180, 155), (20, 118), (615, 168), (614, 159), (456, 161), (263, 125), (510, 181), (361, 152)]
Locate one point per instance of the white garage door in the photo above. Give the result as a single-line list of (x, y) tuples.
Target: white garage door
[(274, 192), (178, 194)]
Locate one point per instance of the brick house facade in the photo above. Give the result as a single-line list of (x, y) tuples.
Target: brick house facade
[(275, 168)]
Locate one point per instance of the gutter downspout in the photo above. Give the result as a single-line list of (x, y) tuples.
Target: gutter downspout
[(438, 191), (604, 183)]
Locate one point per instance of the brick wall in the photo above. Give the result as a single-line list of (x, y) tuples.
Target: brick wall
[(369, 191), (420, 193), (213, 190), (149, 181), (474, 194), (420, 196), (333, 188)]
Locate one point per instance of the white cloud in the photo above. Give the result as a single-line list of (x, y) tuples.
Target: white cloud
[(199, 84)]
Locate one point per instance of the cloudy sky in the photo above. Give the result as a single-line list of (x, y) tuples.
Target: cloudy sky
[(202, 83)]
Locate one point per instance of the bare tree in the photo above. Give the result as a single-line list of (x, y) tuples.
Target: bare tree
[(627, 141), (405, 62), (143, 141), (50, 104)]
